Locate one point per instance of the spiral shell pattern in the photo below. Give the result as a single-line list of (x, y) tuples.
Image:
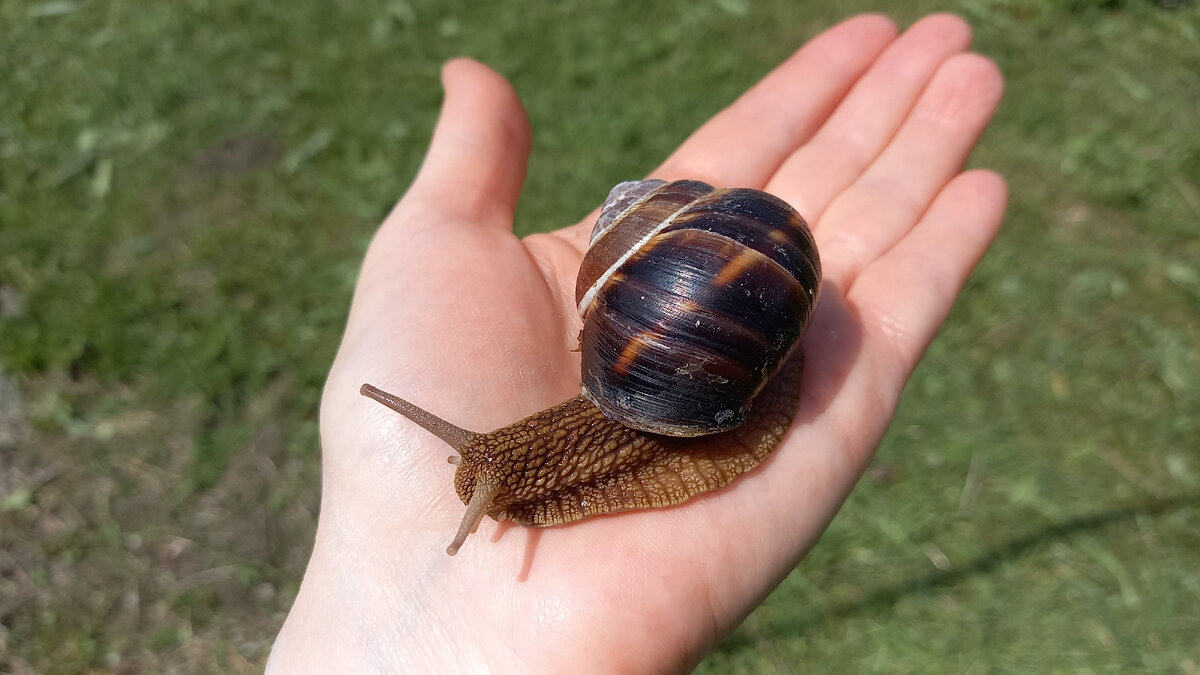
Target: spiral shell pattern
[(691, 297)]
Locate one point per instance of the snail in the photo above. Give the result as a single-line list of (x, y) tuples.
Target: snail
[(693, 301)]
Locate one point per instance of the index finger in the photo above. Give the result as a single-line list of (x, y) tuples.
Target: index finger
[(744, 143)]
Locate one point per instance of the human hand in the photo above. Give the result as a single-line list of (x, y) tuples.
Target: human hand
[(865, 133)]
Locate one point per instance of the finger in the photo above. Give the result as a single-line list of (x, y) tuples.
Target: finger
[(744, 143), (880, 331), (869, 116), (476, 161), (903, 297), (928, 150)]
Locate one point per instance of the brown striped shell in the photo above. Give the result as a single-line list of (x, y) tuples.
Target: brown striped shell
[(691, 297), (694, 300)]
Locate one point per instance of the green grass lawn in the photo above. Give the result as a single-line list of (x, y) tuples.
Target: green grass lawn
[(186, 189)]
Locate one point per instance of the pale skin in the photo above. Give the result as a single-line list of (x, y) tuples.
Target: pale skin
[(865, 132)]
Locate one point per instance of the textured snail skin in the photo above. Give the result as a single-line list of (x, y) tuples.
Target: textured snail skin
[(694, 300), (570, 461)]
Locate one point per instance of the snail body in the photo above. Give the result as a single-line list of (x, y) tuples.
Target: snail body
[(694, 300)]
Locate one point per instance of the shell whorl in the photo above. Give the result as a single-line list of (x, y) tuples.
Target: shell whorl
[(691, 298), (622, 198)]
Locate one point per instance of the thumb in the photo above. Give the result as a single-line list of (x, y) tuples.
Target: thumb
[(475, 166)]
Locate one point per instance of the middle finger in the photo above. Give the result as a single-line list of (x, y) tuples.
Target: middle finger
[(868, 118), (869, 216)]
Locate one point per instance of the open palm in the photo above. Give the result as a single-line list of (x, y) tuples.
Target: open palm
[(865, 133)]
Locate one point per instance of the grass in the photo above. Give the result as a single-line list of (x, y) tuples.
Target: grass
[(186, 189)]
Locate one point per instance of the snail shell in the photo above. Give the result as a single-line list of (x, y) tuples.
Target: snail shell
[(694, 300), (692, 297)]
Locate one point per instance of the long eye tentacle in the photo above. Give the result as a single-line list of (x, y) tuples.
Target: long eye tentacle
[(456, 437)]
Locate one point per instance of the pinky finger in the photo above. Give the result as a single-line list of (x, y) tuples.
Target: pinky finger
[(903, 297)]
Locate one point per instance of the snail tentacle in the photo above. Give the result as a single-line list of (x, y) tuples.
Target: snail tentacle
[(456, 437), (477, 508)]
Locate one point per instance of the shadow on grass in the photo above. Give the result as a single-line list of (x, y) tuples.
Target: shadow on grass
[(983, 564)]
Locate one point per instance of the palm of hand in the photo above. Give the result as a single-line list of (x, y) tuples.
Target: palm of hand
[(456, 314)]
